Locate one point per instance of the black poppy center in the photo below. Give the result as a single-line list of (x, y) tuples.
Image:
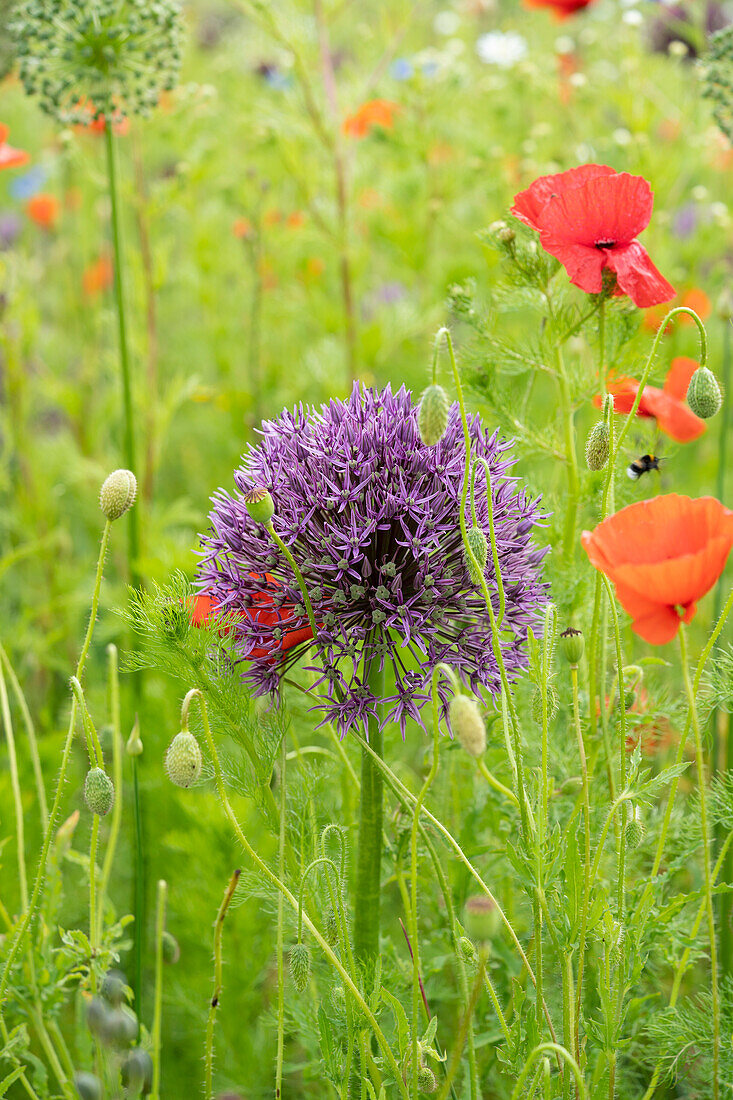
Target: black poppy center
[(605, 244)]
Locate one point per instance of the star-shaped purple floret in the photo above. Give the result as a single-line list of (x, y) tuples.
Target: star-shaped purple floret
[(371, 515)]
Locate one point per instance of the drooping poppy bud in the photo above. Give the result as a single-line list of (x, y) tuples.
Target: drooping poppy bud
[(468, 725), (118, 493), (300, 966), (480, 549), (183, 759), (99, 792), (703, 394), (597, 446), (432, 417)]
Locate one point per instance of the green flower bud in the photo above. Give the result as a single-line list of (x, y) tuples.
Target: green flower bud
[(426, 1079), (432, 416), (183, 759), (703, 393), (332, 928), (88, 1086), (99, 792), (616, 943), (171, 950), (551, 705), (134, 746), (300, 966), (96, 1016), (480, 548), (597, 446), (118, 493), (467, 724), (259, 504), (481, 918), (137, 1072), (467, 950), (572, 645), (113, 987), (120, 1028), (634, 830)]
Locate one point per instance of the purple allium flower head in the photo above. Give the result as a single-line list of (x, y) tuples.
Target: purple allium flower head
[(371, 515)]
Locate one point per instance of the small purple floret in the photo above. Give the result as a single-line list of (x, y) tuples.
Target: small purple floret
[(371, 515)]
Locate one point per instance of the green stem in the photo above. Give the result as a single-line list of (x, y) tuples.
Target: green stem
[(280, 915), (586, 858), (138, 890), (158, 1002), (567, 1013), (571, 511), (93, 941), (129, 449), (560, 1052), (216, 996), (32, 742), (369, 857), (17, 798), (114, 829), (700, 762)]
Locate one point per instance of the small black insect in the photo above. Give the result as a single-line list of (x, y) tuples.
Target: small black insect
[(642, 466)]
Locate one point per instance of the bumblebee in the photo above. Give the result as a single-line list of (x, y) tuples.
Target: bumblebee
[(642, 466)]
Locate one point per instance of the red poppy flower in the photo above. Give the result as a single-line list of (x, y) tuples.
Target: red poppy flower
[(667, 406), (376, 112), (663, 555), (589, 218), (9, 156), (43, 209), (561, 8), (266, 614)]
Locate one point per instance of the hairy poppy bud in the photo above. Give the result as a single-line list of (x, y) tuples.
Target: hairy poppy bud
[(96, 1015), (467, 950), (468, 725), (426, 1079), (120, 1027), (300, 966), (137, 1072), (617, 937), (481, 918), (597, 446), (99, 793), (113, 987), (171, 950), (332, 928), (88, 1086), (703, 393), (432, 416), (635, 830), (572, 645), (134, 746), (551, 704), (259, 504), (118, 493), (480, 549), (183, 759)]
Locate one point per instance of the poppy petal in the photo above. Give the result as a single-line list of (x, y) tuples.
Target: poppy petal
[(528, 205), (605, 208), (655, 623), (678, 580), (678, 421), (637, 276), (584, 265), (677, 381)]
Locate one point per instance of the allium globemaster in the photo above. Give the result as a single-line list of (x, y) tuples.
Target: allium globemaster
[(371, 515)]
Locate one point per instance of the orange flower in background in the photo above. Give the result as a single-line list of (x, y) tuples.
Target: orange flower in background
[(242, 228), (43, 209), (98, 277), (663, 555), (10, 157), (695, 298), (667, 406), (561, 8), (374, 113), (296, 220)]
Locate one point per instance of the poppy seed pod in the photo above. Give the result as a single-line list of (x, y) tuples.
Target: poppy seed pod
[(426, 1079), (480, 549), (118, 493), (703, 394), (432, 416), (481, 918), (99, 792), (183, 759), (468, 725), (597, 446), (300, 966), (572, 645), (259, 504)]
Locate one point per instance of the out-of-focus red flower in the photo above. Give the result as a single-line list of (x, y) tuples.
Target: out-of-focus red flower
[(375, 113), (667, 406), (589, 218), (43, 209), (10, 157), (663, 555), (561, 8), (694, 298), (98, 276), (265, 613), (94, 124), (296, 220)]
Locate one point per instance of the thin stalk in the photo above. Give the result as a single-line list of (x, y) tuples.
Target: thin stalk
[(369, 856), (559, 1052), (415, 949), (138, 890), (93, 939), (17, 797), (567, 1013), (700, 763), (494, 782), (280, 917), (56, 807), (32, 741), (114, 828), (158, 997), (272, 878), (568, 413), (216, 996), (586, 858)]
